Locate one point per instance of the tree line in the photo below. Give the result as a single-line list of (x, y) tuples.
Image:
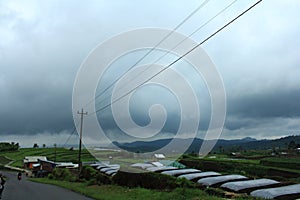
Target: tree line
[(6, 146)]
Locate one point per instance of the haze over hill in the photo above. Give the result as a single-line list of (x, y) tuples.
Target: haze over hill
[(247, 143)]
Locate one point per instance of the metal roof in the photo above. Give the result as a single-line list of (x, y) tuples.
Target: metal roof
[(28, 159)]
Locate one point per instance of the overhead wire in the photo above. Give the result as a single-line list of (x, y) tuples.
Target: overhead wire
[(71, 134), (176, 60), (151, 50), (167, 52)]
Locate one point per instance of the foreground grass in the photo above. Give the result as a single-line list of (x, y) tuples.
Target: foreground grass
[(4, 160), (112, 192)]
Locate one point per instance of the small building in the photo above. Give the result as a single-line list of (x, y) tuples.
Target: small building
[(47, 165), (159, 156), (44, 167), (29, 161)]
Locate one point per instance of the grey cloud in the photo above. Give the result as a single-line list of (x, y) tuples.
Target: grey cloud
[(42, 46), (279, 102)]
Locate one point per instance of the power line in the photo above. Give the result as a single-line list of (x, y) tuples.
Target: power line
[(152, 49), (172, 63), (74, 130), (167, 52), (71, 134)]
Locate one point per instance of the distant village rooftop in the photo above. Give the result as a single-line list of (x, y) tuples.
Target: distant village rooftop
[(29, 159), (159, 156)]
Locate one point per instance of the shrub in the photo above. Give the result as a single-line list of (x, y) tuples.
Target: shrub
[(88, 173), (50, 176), (94, 177), (63, 175), (150, 181), (102, 179)]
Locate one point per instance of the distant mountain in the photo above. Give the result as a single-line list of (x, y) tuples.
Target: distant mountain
[(249, 139), (247, 143)]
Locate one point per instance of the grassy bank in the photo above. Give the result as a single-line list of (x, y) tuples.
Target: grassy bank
[(58, 154), (265, 168), (112, 192)]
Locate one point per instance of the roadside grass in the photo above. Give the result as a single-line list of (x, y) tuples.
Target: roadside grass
[(4, 160), (113, 192)]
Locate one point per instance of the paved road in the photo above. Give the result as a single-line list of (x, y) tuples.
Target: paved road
[(24, 189)]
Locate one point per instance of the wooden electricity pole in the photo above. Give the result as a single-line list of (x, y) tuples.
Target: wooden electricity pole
[(80, 141)]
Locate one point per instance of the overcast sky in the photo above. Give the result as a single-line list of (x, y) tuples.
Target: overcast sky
[(43, 43)]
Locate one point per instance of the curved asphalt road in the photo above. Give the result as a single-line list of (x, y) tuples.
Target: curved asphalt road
[(24, 189)]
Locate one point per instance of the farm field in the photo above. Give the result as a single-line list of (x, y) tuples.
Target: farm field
[(258, 165)]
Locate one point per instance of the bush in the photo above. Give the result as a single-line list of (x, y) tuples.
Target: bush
[(88, 173), (94, 177), (102, 179), (150, 181), (50, 176), (63, 175)]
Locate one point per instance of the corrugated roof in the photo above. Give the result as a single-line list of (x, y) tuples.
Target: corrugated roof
[(28, 159)]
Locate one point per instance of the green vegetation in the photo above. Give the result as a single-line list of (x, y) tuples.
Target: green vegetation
[(150, 181), (125, 185), (5, 146), (4, 160), (54, 154), (289, 163), (279, 168), (112, 192)]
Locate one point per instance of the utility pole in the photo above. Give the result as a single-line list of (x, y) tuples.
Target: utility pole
[(55, 152), (80, 141)]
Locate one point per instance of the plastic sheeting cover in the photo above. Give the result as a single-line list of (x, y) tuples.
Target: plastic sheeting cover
[(154, 169), (180, 171), (142, 165), (219, 179), (240, 185), (112, 171), (276, 192), (198, 175)]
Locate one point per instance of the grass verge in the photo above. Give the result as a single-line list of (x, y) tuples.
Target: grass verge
[(112, 192)]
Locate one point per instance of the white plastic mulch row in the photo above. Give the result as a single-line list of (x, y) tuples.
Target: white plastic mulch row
[(198, 175), (241, 185), (271, 193), (180, 171), (109, 170), (220, 179), (163, 168), (232, 182)]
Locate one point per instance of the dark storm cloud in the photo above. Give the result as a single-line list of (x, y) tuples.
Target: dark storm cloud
[(282, 102), (43, 44), (30, 108)]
